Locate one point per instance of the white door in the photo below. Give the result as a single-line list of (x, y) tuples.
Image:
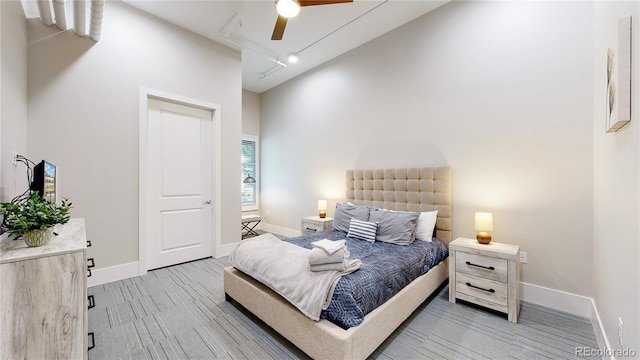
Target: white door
[(180, 217)]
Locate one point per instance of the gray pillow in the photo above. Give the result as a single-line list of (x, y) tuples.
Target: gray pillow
[(395, 227), (344, 212)]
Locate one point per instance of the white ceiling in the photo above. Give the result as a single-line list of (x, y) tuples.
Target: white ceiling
[(316, 35)]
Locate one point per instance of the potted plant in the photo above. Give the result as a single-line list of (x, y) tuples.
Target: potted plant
[(34, 218)]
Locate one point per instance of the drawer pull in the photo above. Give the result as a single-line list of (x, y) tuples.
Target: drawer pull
[(310, 229), (90, 264), (479, 288), (93, 340), (91, 301), (480, 266)]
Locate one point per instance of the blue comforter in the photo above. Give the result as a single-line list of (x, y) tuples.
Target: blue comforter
[(386, 269)]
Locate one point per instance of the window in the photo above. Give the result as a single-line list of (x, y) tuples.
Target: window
[(250, 176)]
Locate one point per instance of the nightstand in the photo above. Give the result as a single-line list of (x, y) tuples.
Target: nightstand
[(486, 275), (311, 224)]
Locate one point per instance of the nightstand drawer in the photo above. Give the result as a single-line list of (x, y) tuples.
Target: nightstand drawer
[(482, 266), (485, 274), (312, 224), (311, 227), (481, 288)]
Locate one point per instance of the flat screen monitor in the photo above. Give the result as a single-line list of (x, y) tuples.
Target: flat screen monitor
[(44, 180)]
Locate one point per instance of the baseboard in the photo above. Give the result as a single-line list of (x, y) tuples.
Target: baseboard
[(559, 300), (225, 249), (570, 303), (598, 329), (278, 230), (221, 251), (112, 273), (124, 271)]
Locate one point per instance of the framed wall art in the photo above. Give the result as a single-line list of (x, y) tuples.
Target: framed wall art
[(619, 77)]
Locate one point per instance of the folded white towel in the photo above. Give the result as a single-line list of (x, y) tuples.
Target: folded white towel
[(351, 265), (329, 246), (318, 256)]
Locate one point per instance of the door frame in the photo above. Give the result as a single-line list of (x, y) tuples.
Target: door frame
[(143, 164)]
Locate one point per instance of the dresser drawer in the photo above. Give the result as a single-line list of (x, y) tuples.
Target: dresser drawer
[(481, 288), (482, 266)]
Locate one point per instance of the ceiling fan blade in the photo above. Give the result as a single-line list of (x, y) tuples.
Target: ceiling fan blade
[(278, 30), (322, 2), (281, 23)]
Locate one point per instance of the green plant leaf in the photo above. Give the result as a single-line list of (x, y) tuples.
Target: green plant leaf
[(33, 214)]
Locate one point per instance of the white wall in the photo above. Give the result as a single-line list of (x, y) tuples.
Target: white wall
[(500, 91), (84, 116), (250, 113), (616, 190), (13, 95)]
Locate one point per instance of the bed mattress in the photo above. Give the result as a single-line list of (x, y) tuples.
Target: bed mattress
[(386, 269)]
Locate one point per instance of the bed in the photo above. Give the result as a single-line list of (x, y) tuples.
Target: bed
[(402, 189)]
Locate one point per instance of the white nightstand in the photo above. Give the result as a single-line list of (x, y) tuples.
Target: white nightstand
[(486, 275), (311, 224)]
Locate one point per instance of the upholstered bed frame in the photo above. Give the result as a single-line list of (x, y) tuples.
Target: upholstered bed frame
[(410, 189)]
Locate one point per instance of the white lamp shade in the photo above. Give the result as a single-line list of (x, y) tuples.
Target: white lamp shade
[(288, 8), (322, 205), (484, 221)]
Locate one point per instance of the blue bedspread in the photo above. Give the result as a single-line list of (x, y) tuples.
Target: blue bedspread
[(386, 269)]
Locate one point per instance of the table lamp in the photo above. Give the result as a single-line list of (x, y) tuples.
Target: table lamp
[(484, 223), (322, 208)]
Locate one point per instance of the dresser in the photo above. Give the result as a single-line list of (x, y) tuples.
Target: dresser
[(311, 224), (44, 296), (485, 274)]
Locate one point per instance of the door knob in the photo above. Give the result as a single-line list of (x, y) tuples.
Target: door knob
[(208, 202)]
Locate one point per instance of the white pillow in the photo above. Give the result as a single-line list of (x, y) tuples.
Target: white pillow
[(426, 224), (363, 230)]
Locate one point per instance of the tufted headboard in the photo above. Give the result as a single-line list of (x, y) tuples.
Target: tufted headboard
[(406, 189)]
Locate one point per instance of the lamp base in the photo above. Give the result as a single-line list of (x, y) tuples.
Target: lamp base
[(323, 214), (483, 237)]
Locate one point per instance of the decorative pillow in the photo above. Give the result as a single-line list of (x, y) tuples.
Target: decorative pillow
[(364, 230), (395, 227), (344, 212), (426, 224)]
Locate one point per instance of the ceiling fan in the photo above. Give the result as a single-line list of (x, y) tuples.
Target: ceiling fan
[(291, 8)]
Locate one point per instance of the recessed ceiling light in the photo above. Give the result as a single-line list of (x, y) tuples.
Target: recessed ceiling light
[(293, 58)]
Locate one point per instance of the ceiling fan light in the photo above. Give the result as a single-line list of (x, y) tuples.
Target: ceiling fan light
[(288, 8)]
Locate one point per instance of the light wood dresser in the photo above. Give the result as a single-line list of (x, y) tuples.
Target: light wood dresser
[(486, 275), (44, 296)]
